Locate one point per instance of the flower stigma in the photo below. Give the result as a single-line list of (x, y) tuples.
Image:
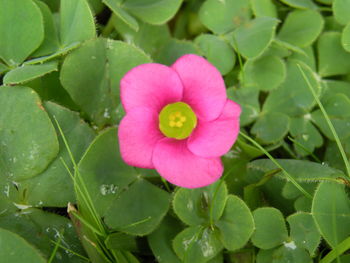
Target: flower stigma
[(177, 120)]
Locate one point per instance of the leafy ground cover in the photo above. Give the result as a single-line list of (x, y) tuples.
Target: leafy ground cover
[(67, 196)]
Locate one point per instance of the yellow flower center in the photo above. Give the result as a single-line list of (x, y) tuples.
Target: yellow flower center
[(177, 120)]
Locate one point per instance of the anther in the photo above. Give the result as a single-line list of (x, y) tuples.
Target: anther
[(172, 123), (179, 124), (182, 118)]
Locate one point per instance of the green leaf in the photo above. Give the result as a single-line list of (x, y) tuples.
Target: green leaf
[(50, 43), (305, 134), (33, 223), (332, 57), (3, 68), (76, 22), (300, 170), (271, 127), (303, 204), (153, 11), (174, 49), (265, 73), (263, 8), (327, 2), (302, 4), (49, 88), (139, 209), (197, 244), (160, 240), (307, 57), (236, 224), (104, 172), (91, 75), (249, 101), (20, 36), (217, 52), (224, 16), (24, 154), (121, 241), (15, 249), (252, 38), (27, 73), (341, 10), (122, 14), (333, 87), (331, 212), (304, 232), (160, 35), (54, 187), (345, 37), (338, 109), (193, 206), (270, 228), (301, 28), (287, 253), (293, 96)]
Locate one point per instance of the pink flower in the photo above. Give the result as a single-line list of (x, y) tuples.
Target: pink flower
[(178, 120)]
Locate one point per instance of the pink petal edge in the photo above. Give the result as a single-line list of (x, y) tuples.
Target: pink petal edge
[(150, 85), (204, 87), (215, 138), (179, 166), (138, 134)]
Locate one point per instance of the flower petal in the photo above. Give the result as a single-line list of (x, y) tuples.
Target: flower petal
[(215, 138), (179, 166), (204, 88), (150, 85), (138, 134)]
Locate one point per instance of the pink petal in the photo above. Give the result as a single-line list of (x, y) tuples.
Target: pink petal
[(179, 166), (215, 138), (138, 134), (150, 85), (204, 88)]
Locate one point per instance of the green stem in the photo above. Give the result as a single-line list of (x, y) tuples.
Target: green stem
[(337, 251), (330, 125), (296, 184), (108, 29)]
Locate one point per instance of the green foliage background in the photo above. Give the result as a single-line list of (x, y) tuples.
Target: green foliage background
[(60, 66)]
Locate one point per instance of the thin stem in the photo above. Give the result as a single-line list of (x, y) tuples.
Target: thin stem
[(296, 184), (70, 251), (330, 125), (304, 148), (337, 251), (108, 29), (53, 254)]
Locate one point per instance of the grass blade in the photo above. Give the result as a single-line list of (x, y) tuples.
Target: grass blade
[(296, 184), (329, 123)]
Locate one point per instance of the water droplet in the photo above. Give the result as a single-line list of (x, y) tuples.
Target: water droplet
[(186, 242), (22, 206), (290, 245), (305, 137), (190, 205), (7, 190), (106, 189), (207, 249)]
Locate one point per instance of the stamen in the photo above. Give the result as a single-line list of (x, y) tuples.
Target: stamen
[(172, 123), (179, 124), (178, 114), (172, 117), (182, 118)]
